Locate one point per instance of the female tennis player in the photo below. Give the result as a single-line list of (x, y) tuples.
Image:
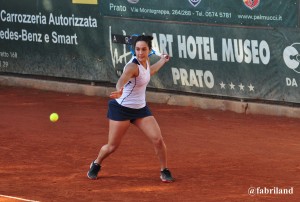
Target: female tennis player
[(128, 106)]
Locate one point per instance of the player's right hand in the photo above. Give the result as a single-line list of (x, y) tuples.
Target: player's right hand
[(116, 94)]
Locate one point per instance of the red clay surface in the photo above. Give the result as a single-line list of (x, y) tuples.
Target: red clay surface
[(214, 155)]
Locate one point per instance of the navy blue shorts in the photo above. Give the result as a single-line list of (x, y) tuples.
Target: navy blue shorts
[(118, 112)]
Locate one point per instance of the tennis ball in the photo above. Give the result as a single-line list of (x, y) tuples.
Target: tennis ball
[(54, 117)]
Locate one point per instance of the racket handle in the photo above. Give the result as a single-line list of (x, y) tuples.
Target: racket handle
[(166, 56)]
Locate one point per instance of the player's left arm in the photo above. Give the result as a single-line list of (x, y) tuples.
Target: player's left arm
[(159, 64)]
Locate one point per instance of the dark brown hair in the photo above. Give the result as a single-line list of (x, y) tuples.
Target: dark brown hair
[(147, 39)]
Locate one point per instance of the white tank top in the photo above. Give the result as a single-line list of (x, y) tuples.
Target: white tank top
[(134, 92)]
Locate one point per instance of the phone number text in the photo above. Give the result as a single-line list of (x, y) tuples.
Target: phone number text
[(208, 14)]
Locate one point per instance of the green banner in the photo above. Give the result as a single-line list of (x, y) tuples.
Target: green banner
[(53, 38), (230, 12), (230, 62), (210, 56)]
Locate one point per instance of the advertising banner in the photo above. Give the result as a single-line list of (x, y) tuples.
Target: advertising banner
[(210, 54), (53, 38), (232, 62), (228, 12)]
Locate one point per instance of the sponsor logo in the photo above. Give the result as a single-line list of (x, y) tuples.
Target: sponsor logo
[(252, 4), (194, 2), (85, 2), (133, 1), (291, 57)]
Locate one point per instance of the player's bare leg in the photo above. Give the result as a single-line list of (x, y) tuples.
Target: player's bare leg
[(117, 130), (152, 130)]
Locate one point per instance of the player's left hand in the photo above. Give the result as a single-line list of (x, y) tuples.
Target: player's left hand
[(165, 57)]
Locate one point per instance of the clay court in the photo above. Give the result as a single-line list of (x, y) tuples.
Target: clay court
[(213, 155)]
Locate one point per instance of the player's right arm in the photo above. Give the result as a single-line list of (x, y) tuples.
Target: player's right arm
[(129, 72)]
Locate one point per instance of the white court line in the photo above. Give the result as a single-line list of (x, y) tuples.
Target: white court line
[(21, 199)]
